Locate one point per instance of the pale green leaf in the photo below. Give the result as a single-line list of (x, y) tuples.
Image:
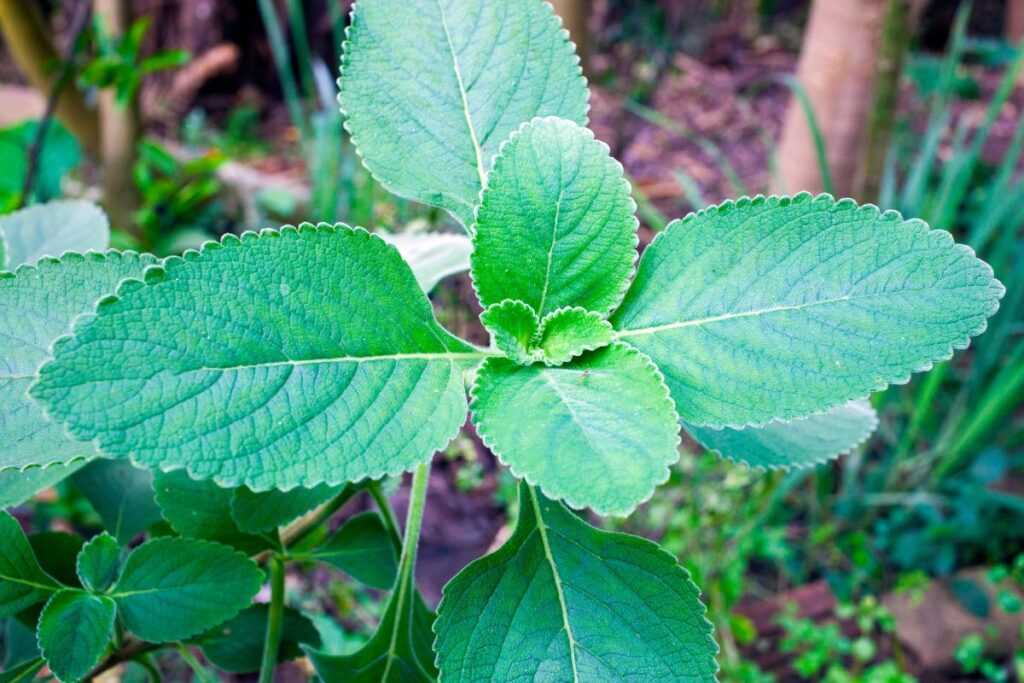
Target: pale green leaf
[(513, 326), (99, 562), (431, 89), (432, 256), (202, 509), (52, 229), (257, 512), (23, 582), (17, 486), (121, 494), (801, 443), (74, 630), (568, 332), (283, 359), (237, 644), (362, 549), (555, 226), (599, 432), (37, 305), (173, 588), (783, 307), (562, 601)]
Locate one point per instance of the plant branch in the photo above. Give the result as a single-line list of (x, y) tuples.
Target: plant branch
[(414, 523), (387, 513), (129, 650), (275, 620), (298, 531)]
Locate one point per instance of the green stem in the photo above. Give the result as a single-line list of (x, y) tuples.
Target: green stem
[(414, 520), (297, 533), (387, 513), (274, 620), (193, 664)]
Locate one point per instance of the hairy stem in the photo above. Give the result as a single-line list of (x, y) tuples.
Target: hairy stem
[(387, 513), (275, 620), (414, 522)]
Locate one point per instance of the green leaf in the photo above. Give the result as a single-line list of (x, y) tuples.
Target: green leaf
[(23, 582), (74, 630), (803, 442), (121, 494), (37, 305), (17, 486), (57, 552), (20, 644), (363, 550), (22, 673), (237, 645), (513, 326), (52, 229), (557, 207), (257, 512), (562, 601), (432, 89), (568, 332), (283, 359), (783, 307), (433, 256), (599, 432), (201, 509), (99, 562), (173, 588)]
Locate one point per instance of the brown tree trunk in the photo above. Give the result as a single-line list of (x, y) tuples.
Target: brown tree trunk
[(574, 14), (837, 67), (28, 40), (119, 129), (1013, 28)]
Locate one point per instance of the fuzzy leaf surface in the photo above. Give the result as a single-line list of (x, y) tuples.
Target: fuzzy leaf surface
[(122, 495), (256, 512), (98, 563), (201, 509), (563, 601), (513, 325), (362, 549), (174, 588), (23, 582), (37, 305), (50, 230), (599, 432), (431, 89), (283, 359), (555, 226), (782, 307), (432, 256), (804, 442), (569, 332), (74, 630)]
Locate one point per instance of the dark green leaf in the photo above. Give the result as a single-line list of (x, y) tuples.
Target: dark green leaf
[(74, 630), (201, 509), (57, 552), (122, 494), (99, 562), (23, 582), (363, 550), (237, 645), (256, 512)]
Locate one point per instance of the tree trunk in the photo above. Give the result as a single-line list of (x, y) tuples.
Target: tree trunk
[(119, 130), (1013, 27), (837, 67), (574, 14), (28, 40)]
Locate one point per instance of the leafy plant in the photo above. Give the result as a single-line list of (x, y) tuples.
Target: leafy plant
[(297, 366)]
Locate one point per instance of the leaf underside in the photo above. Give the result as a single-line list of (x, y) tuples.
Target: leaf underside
[(783, 307), (562, 601), (431, 89), (432, 256), (51, 229)]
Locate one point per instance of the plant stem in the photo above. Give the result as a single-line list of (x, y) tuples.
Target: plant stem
[(390, 523), (274, 620), (297, 532), (414, 522), (193, 664), (131, 649)]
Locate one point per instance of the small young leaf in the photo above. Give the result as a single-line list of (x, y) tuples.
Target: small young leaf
[(23, 582), (237, 645), (363, 550), (258, 512), (431, 89), (556, 206), (52, 229), (803, 442), (783, 307), (599, 432), (122, 495), (37, 305), (99, 562), (17, 486), (513, 326), (432, 256), (568, 332), (201, 509), (284, 359), (74, 630), (562, 601), (172, 588)]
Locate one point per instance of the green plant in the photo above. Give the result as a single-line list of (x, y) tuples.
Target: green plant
[(274, 374)]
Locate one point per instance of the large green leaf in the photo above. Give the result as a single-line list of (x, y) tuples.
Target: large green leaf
[(122, 495), (23, 582), (283, 359), (599, 432), (74, 630), (555, 226), (174, 588), (362, 549), (237, 644), (432, 88), (37, 305), (562, 601), (803, 442), (783, 307), (201, 509), (256, 512), (17, 486), (52, 229)]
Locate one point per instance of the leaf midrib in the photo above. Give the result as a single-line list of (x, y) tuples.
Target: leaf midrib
[(448, 356)]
